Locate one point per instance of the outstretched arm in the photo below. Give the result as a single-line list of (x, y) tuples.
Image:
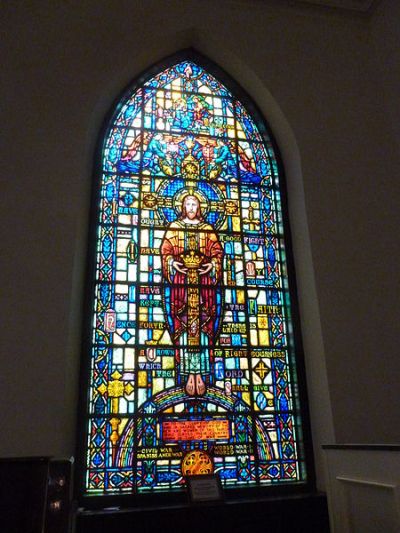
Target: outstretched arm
[(206, 268), (214, 266), (177, 265), (170, 262)]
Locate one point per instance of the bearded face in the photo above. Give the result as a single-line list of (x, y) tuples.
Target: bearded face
[(191, 208)]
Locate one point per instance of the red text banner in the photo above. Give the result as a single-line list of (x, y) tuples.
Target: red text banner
[(195, 430)]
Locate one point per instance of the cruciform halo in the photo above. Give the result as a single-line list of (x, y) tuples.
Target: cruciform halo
[(189, 191)]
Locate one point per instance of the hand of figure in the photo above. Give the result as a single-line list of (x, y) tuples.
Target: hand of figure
[(179, 267), (205, 268)]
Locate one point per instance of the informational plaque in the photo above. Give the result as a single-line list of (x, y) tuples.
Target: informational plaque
[(178, 430), (204, 488)]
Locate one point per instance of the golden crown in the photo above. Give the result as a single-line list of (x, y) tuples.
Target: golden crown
[(192, 259)]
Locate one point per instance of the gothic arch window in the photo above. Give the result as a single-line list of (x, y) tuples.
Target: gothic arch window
[(191, 346)]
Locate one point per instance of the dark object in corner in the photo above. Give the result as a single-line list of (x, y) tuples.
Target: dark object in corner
[(35, 495)]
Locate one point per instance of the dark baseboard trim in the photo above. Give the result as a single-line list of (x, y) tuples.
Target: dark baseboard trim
[(366, 447)]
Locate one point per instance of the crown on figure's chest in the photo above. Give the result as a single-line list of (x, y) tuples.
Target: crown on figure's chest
[(192, 259)]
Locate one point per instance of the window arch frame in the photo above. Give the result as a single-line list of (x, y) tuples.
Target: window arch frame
[(296, 352)]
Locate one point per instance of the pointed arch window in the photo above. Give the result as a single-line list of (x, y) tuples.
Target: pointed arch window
[(192, 354)]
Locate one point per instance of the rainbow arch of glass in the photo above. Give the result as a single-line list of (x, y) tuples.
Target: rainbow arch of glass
[(182, 133)]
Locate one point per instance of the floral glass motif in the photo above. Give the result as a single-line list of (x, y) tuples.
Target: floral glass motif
[(191, 368)]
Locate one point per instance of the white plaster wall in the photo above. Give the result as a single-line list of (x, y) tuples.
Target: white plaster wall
[(363, 489), (312, 72)]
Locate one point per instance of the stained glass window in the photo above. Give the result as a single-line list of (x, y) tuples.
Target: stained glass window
[(192, 353)]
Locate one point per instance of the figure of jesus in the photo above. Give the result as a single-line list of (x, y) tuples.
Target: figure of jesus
[(192, 270)]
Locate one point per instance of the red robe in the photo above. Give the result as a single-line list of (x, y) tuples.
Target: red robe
[(179, 239)]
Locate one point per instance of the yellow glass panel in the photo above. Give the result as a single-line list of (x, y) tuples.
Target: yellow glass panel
[(168, 363), (264, 337), (262, 321), (246, 397), (236, 223), (253, 337), (142, 379), (158, 385)]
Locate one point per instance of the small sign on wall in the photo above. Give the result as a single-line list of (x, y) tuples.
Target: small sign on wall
[(204, 488)]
